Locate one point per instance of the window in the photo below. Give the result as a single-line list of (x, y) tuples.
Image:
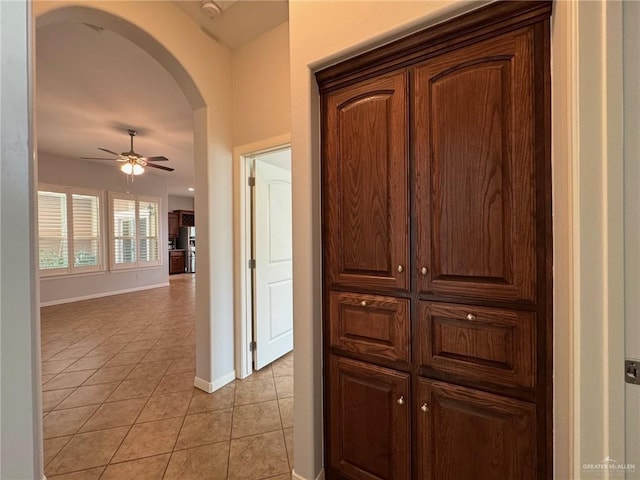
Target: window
[(69, 230), (134, 231)]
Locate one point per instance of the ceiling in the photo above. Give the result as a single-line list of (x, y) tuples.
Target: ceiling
[(92, 85), (239, 21)]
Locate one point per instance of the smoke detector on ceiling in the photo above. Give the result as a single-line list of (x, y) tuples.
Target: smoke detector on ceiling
[(211, 9)]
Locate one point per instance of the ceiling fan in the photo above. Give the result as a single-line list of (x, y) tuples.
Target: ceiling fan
[(133, 163)]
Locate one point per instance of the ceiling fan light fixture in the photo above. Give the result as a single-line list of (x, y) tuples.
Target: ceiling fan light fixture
[(132, 168)]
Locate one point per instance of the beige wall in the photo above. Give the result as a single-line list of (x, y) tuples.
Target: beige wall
[(631, 11), (261, 92)]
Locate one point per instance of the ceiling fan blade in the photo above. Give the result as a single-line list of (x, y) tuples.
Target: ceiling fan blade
[(97, 158), (155, 159), (160, 167), (109, 151)]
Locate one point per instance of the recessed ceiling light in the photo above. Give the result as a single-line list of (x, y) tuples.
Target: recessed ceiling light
[(191, 189)]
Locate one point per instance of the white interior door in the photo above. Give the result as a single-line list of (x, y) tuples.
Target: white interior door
[(273, 295)]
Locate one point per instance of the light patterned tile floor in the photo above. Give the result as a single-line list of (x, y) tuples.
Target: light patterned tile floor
[(119, 401)]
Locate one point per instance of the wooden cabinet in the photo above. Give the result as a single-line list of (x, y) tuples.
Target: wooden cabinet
[(176, 261), (365, 179), (437, 253), (369, 421), (174, 225), (186, 218), (475, 162), (372, 325), (466, 434), (489, 344)]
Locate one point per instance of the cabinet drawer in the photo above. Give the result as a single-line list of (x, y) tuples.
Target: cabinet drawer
[(478, 342), (371, 324)]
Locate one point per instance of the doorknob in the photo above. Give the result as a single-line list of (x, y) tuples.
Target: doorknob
[(425, 407), (400, 401), (424, 271)]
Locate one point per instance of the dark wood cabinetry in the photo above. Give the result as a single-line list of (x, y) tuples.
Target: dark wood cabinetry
[(369, 421), (174, 225), (469, 434), (186, 218), (490, 344), (437, 253), (475, 162), (372, 325), (365, 176), (176, 261)]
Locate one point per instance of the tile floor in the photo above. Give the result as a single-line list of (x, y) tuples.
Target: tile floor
[(119, 401)]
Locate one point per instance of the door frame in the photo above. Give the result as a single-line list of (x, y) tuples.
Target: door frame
[(243, 316)]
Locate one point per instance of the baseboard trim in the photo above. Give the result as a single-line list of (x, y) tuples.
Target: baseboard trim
[(216, 385), (295, 476), (102, 294)]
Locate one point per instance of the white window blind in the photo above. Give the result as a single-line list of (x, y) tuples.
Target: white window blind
[(134, 231), (52, 231), (86, 231), (124, 224), (69, 230), (148, 231)]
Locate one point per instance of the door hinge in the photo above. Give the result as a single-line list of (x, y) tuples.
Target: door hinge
[(253, 346), (252, 181), (252, 263)]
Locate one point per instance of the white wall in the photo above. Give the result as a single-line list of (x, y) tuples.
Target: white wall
[(261, 93), (73, 173), (177, 202), (632, 220), (20, 401)]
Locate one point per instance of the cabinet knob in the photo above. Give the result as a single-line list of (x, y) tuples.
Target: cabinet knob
[(424, 407), (471, 317), (400, 269), (424, 271), (363, 303), (400, 401)]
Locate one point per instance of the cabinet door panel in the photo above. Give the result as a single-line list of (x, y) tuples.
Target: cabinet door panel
[(466, 434), (365, 184), (370, 324), (475, 176), (369, 429), (486, 344)]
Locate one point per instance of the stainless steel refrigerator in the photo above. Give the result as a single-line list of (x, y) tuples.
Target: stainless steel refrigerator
[(187, 241)]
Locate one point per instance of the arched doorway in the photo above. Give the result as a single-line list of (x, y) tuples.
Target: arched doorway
[(207, 89)]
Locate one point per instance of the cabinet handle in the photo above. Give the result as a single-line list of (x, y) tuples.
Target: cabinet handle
[(424, 407), (471, 317), (424, 271), (400, 269), (400, 401), (363, 303)]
